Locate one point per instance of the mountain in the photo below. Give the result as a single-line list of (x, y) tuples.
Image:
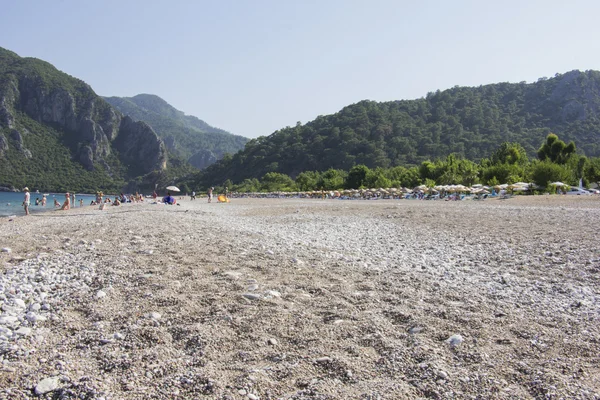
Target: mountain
[(184, 135), (468, 121), (57, 134)]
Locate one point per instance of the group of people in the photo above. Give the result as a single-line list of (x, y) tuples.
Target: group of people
[(64, 206), (102, 201)]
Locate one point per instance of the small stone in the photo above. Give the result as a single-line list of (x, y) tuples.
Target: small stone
[(272, 342), (20, 303), (6, 250), (455, 340), (23, 331), (272, 293), (252, 396), (47, 385), (119, 336), (251, 296), (415, 329), (101, 294), (242, 392), (35, 307), (442, 375), (154, 315), (253, 287), (323, 360), (270, 252)]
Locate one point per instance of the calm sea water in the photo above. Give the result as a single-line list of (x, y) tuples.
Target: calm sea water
[(12, 203)]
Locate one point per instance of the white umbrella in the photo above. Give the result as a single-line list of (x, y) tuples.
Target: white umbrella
[(173, 188), (559, 184)]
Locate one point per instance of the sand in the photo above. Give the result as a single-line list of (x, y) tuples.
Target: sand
[(305, 299)]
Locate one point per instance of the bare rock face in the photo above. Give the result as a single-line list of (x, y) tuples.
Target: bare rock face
[(3, 144), (140, 147), (203, 159), (86, 158), (89, 121), (18, 139)]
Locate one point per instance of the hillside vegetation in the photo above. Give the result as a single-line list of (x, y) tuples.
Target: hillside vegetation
[(185, 135), (470, 122)]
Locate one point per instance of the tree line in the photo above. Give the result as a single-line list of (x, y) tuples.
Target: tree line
[(555, 161)]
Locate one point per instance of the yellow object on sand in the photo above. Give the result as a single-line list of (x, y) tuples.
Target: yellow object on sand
[(222, 199)]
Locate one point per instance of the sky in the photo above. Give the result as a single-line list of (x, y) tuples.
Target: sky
[(253, 67)]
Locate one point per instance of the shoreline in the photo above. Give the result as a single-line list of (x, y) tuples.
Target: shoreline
[(294, 298)]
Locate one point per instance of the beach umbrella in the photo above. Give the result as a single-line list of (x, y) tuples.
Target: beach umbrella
[(558, 184), (173, 188)]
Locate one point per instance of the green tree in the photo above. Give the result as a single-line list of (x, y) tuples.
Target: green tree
[(509, 153), (545, 172), (277, 182), (308, 180), (357, 176), (555, 150)]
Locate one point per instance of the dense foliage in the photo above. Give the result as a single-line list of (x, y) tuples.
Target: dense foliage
[(469, 122), (185, 135), (508, 164)]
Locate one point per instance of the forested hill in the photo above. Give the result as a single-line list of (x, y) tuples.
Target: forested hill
[(469, 121), (57, 134), (184, 135)]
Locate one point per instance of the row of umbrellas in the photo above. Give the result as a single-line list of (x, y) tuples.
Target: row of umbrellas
[(478, 188)]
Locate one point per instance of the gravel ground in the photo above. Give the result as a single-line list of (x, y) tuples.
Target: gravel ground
[(304, 299)]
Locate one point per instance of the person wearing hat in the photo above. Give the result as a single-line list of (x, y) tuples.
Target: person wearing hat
[(26, 200)]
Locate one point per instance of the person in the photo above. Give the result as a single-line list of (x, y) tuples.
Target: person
[(74, 199), (37, 201), (168, 199), (56, 203), (80, 202), (26, 200), (210, 192), (67, 204), (154, 195), (226, 192), (123, 198), (116, 202), (193, 196), (44, 201)]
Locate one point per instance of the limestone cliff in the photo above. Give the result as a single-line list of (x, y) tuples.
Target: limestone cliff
[(88, 126)]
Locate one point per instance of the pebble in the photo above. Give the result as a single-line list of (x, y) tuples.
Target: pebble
[(252, 396), (272, 342), (253, 287), (47, 385), (442, 375), (251, 296), (119, 336), (20, 303), (272, 293), (415, 329), (323, 360), (455, 340), (23, 331), (101, 294), (6, 250), (154, 315)]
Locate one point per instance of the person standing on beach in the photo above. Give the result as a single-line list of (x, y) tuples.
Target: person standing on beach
[(210, 190), (26, 200), (73, 199), (44, 201)]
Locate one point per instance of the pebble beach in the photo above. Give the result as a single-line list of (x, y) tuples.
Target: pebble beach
[(304, 299)]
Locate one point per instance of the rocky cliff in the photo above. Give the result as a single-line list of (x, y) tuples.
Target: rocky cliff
[(184, 135), (95, 134)]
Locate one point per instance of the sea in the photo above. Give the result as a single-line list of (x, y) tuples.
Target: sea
[(11, 203)]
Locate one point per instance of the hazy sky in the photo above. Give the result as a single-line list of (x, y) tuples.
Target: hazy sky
[(252, 67)]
